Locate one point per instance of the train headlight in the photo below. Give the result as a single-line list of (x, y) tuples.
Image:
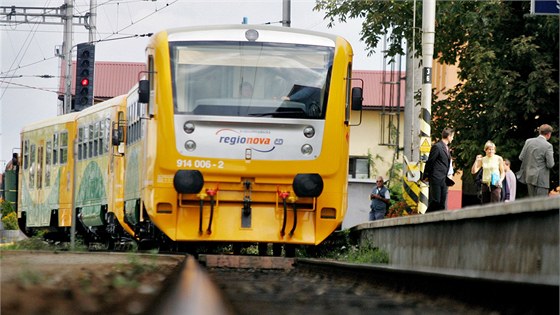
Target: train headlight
[(251, 35), (188, 127), (190, 145), (308, 185), (309, 131), (306, 149)]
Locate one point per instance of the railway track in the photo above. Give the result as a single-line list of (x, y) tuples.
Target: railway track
[(239, 285)]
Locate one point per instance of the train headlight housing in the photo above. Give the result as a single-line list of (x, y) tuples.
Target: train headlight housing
[(306, 149), (188, 127), (309, 131), (308, 185), (188, 181), (190, 145)]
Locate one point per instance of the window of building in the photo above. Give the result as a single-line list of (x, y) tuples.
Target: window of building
[(358, 168)]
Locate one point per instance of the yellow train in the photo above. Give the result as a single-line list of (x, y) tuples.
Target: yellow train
[(235, 134)]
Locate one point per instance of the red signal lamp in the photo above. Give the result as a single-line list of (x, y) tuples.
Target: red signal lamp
[(84, 82)]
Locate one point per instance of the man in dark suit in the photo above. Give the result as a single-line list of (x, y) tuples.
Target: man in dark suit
[(436, 171), (537, 158)]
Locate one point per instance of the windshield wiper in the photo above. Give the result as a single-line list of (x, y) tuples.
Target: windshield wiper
[(294, 114)]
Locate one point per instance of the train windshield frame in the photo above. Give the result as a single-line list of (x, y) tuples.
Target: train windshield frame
[(250, 79)]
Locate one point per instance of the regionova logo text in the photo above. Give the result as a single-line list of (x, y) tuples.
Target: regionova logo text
[(257, 140)]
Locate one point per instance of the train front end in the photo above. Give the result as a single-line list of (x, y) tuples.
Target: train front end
[(247, 136)]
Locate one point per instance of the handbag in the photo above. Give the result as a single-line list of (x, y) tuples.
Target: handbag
[(494, 179)]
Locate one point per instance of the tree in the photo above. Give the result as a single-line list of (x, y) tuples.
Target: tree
[(508, 65)]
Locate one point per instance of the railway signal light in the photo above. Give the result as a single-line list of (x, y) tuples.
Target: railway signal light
[(85, 62)]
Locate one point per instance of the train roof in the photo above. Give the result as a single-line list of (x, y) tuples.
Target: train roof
[(57, 120), (236, 32), (101, 106)]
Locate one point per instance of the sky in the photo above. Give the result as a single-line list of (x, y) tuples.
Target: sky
[(28, 50)]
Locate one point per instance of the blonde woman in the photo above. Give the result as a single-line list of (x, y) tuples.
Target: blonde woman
[(493, 173)]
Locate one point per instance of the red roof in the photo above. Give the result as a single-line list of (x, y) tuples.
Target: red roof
[(381, 88), (116, 78), (111, 78)]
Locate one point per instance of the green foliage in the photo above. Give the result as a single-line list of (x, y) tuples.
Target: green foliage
[(10, 221), (32, 243), (9, 216), (343, 246), (508, 67), (6, 207)]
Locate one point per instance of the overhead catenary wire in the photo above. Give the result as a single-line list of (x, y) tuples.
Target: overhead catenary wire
[(16, 63)]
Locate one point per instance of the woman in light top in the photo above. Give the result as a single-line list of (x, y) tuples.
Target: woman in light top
[(493, 173)]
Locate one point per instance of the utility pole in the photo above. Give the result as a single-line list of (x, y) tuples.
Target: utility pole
[(92, 20), (286, 13), (63, 15), (428, 36), (67, 48)]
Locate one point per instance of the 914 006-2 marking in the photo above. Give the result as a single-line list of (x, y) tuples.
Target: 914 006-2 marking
[(199, 163)]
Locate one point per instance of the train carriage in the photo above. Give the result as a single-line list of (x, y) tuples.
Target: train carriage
[(99, 173), (245, 136), (235, 134), (46, 176)]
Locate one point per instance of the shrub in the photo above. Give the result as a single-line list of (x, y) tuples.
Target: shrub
[(399, 209), (10, 221), (9, 216)]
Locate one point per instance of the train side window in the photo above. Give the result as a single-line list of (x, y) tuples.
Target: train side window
[(107, 135), (55, 149), (25, 154), (63, 147), (80, 143), (90, 144), (48, 161), (95, 138), (101, 136), (40, 167), (32, 167), (86, 137)]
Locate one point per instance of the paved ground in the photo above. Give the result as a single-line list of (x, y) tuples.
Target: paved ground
[(80, 283)]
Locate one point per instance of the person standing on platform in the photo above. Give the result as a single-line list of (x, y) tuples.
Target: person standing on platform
[(510, 180), (493, 173), (380, 200), (537, 158), (436, 171)]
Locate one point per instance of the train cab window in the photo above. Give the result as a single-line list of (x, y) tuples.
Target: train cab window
[(48, 162), (286, 81), (55, 149), (25, 154), (358, 168), (33, 166), (63, 147)]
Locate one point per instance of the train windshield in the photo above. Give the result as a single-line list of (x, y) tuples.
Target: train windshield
[(250, 79)]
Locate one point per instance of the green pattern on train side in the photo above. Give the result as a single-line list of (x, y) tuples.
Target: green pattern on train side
[(92, 195), (39, 214), (132, 188)]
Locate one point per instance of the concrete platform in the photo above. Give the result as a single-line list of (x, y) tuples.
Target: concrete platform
[(517, 241)]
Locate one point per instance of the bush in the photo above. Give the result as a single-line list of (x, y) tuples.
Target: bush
[(399, 209), (10, 221), (9, 216)]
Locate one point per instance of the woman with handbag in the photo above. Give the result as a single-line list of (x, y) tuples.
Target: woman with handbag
[(493, 173)]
